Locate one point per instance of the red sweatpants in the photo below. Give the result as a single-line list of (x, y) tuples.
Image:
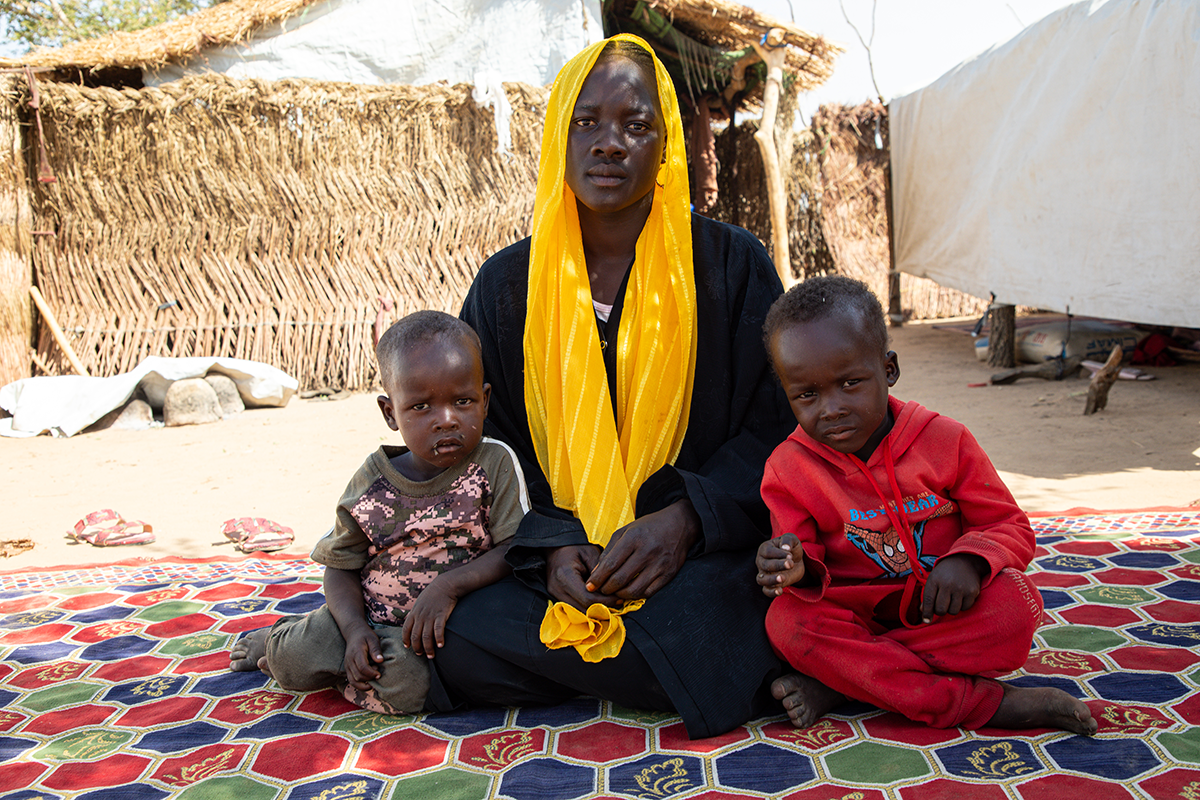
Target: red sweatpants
[(938, 673)]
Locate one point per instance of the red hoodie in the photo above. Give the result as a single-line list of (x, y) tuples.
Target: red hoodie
[(952, 502)]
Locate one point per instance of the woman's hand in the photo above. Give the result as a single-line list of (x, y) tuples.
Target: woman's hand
[(646, 554), (567, 569)]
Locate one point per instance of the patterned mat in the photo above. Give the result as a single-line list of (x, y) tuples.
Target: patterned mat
[(113, 684)]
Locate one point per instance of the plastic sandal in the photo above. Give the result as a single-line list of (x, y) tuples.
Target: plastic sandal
[(255, 534), (94, 523), (136, 532), (106, 528)]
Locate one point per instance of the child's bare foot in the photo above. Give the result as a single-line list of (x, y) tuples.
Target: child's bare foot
[(806, 700), (1042, 707), (250, 652)]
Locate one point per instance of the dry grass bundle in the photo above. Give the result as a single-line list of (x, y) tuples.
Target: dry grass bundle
[(853, 166), (262, 220), (714, 22), (176, 40), (733, 26), (15, 269)]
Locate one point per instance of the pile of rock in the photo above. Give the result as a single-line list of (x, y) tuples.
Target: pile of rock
[(191, 401)]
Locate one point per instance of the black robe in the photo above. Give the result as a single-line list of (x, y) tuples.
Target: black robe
[(702, 635)]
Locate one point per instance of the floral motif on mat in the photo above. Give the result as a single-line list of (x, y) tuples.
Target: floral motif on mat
[(114, 684)]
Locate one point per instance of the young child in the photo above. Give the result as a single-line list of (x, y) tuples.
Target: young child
[(898, 555), (418, 527)]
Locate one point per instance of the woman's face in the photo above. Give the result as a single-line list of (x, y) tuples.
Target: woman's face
[(616, 137)]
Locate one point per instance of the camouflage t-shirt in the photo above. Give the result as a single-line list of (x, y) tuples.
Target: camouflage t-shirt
[(401, 534)]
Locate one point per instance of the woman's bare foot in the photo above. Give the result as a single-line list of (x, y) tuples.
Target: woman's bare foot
[(250, 652), (1042, 707), (805, 700)]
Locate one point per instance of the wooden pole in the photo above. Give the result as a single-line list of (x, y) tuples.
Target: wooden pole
[(773, 54), (895, 313), (59, 336), (1002, 336)]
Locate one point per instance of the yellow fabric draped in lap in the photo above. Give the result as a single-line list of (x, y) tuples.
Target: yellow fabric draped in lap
[(595, 463)]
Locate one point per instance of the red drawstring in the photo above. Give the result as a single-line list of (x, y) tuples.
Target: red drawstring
[(899, 520)]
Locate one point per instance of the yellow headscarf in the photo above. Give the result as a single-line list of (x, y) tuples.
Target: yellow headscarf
[(595, 463)]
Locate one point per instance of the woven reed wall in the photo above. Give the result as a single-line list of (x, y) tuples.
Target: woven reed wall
[(273, 214), (15, 268), (743, 198), (854, 214)]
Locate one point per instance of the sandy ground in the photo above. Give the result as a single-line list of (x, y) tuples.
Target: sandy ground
[(291, 464)]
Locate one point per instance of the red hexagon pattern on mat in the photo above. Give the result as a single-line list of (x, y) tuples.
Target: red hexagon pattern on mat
[(498, 749), (226, 591), (297, 757), (401, 752), (49, 674), (200, 764), (1120, 718), (1063, 662), (180, 626), (244, 709), (824, 733), (327, 704), (36, 635), (90, 600), (895, 728), (1154, 659), (1183, 783), (602, 742), (1058, 787), (1099, 616), (198, 665), (249, 623), (161, 712), (128, 669), (54, 722), (674, 737), (116, 770), (952, 790)]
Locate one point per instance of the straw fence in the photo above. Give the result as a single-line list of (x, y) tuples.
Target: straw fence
[(15, 319), (743, 198), (264, 220), (849, 143)]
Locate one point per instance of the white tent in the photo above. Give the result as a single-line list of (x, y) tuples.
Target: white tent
[(404, 41), (1062, 169)]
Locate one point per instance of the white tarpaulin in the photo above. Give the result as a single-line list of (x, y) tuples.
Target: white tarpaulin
[(408, 41), (1062, 169), (63, 405)]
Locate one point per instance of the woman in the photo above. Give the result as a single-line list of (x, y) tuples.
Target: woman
[(623, 345)]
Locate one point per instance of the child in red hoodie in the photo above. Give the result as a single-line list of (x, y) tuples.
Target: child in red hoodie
[(898, 554)]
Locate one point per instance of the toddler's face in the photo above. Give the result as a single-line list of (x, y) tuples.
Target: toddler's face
[(835, 379), (438, 403)]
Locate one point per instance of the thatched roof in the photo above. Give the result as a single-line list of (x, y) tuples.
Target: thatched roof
[(732, 26), (177, 40), (716, 23)]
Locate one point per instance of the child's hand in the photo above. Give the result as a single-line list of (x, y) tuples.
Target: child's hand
[(953, 585), (362, 654), (425, 625), (780, 563)]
